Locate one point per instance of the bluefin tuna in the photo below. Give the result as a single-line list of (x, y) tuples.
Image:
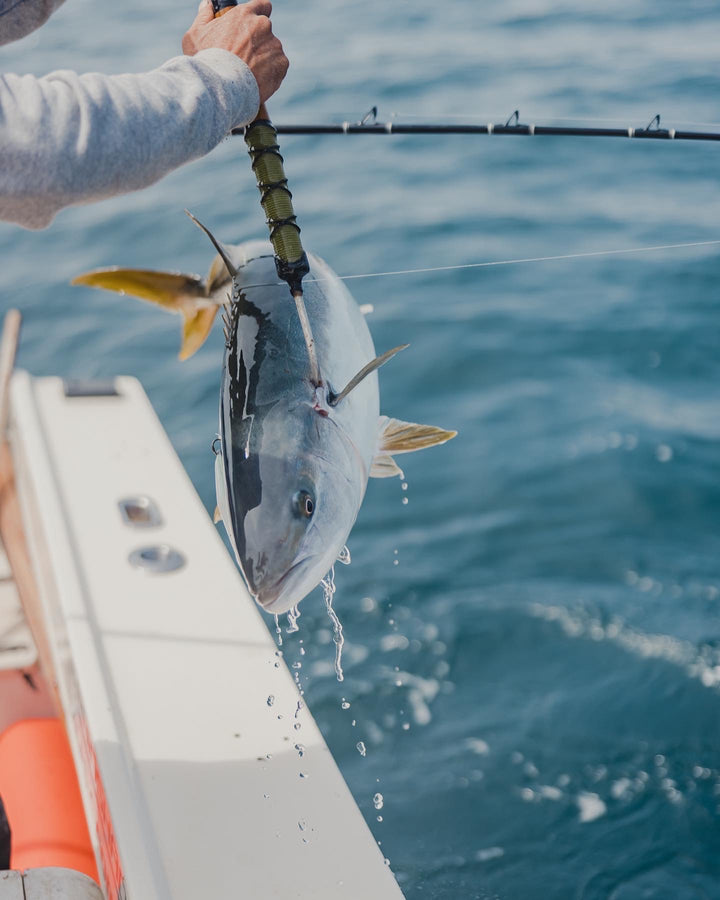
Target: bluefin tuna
[(295, 447)]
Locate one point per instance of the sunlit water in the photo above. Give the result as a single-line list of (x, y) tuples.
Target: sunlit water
[(535, 674)]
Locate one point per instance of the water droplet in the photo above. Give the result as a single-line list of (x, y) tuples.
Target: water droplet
[(278, 631), (297, 665), (328, 586), (378, 801), (344, 557), (379, 818), (404, 485), (361, 749), (302, 651), (406, 726), (344, 704), (266, 796), (300, 749), (302, 775), (268, 756), (302, 824), (279, 715), (271, 699), (405, 501), (396, 562), (297, 726), (353, 722)]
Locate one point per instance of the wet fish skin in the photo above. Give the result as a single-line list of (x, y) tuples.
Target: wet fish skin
[(282, 443)]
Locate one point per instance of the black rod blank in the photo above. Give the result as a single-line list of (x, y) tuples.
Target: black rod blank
[(393, 127)]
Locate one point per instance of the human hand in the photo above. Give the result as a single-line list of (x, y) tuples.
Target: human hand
[(245, 31)]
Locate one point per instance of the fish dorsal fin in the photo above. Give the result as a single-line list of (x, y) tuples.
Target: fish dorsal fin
[(216, 244), (218, 276), (384, 466), (397, 436), (364, 372), (174, 291)]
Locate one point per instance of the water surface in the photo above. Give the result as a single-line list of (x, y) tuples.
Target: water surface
[(531, 655)]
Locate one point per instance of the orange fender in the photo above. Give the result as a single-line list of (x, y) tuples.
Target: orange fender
[(40, 790)]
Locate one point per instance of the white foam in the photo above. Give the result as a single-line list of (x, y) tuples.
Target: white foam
[(478, 745), (591, 806), (489, 853), (701, 663), (620, 788)]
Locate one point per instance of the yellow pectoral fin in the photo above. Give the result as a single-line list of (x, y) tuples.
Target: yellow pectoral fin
[(217, 515), (384, 466), (397, 436)]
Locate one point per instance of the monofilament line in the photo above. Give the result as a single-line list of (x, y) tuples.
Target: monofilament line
[(504, 262), (530, 259)]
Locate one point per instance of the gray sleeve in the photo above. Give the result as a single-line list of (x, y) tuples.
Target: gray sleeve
[(20, 17), (67, 139)]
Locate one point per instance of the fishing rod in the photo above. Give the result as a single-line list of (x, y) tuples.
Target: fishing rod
[(370, 125), (291, 260)]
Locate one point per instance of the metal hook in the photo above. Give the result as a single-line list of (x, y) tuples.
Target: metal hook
[(212, 446), (370, 117), (516, 116), (656, 122)]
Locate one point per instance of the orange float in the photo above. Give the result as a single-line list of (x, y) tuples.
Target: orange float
[(39, 787)]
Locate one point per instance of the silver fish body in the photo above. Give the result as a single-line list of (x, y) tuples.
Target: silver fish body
[(298, 440), (292, 469)]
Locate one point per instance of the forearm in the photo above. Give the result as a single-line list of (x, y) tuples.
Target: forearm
[(68, 139)]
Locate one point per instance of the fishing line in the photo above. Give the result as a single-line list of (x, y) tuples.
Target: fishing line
[(503, 262)]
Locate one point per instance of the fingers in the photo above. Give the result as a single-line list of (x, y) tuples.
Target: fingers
[(205, 13), (258, 7)]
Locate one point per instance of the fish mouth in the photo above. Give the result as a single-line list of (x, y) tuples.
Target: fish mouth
[(287, 591)]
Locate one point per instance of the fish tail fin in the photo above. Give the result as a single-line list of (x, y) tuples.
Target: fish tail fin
[(185, 295)]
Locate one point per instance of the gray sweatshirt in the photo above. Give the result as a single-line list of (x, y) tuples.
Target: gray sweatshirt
[(67, 139)]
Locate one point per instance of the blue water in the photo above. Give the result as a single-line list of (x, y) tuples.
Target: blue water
[(537, 679)]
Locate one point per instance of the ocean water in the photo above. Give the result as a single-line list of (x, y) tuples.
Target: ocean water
[(533, 656)]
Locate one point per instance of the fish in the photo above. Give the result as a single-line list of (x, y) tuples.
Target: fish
[(295, 447)]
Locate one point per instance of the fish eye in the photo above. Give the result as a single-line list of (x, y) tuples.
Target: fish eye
[(304, 504)]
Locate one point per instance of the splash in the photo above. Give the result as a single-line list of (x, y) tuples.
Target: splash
[(328, 586), (292, 616), (278, 631), (344, 556)]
